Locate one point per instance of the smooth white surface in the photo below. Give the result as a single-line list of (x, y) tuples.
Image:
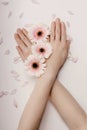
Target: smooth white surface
[(19, 13)]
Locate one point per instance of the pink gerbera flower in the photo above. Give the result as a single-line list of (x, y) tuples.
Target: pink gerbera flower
[(35, 65), (42, 49), (38, 33)]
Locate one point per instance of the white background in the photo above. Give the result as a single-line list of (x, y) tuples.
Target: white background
[(14, 83)]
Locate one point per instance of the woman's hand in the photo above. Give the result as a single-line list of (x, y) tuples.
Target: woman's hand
[(23, 42), (60, 44), (58, 40)]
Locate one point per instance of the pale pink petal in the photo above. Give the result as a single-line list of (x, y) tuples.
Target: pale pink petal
[(13, 91), (21, 15), (53, 16), (71, 58), (6, 92), (35, 1), (1, 40), (15, 103), (5, 2), (1, 94), (25, 83), (10, 14), (17, 60), (70, 12), (7, 52), (15, 75), (68, 24)]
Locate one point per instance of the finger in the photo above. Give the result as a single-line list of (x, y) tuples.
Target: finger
[(63, 32), (26, 34), (68, 44), (20, 53), (20, 42), (52, 31), (23, 37), (25, 31), (48, 38), (58, 29)]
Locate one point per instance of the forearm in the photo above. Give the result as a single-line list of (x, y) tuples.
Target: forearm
[(36, 104), (66, 105)]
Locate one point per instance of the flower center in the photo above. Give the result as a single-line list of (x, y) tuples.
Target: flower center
[(42, 50), (35, 65), (40, 33)]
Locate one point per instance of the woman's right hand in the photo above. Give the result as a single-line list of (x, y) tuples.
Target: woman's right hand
[(60, 44)]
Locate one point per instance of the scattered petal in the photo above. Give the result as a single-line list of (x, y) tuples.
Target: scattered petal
[(71, 58), (70, 12), (25, 83), (15, 75), (17, 60), (34, 1), (5, 2), (13, 91), (1, 94), (10, 14), (68, 24), (21, 15), (6, 92), (1, 39), (15, 103), (7, 52), (70, 38), (53, 16)]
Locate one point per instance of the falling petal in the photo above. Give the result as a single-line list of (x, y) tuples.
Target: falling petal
[(53, 16), (1, 40), (17, 60), (7, 52), (75, 59), (10, 14), (6, 92), (68, 24), (25, 83), (15, 103), (34, 1), (21, 15), (15, 74), (13, 91), (70, 12), (1, 94), (71, 58), (70, 38), (5, 2)]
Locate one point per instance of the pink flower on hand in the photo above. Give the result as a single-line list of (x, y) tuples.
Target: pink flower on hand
[(42, 49), (35, 65), (38, 33)]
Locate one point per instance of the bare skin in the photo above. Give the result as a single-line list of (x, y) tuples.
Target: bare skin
[(69, 109)]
